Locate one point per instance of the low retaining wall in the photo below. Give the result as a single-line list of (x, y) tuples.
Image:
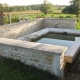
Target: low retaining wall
[(59, 23), (19, 29), (43, 56)]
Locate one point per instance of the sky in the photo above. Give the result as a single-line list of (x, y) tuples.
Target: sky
[(29, 2)]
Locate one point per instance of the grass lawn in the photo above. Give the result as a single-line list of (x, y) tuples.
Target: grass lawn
[(15, 70)]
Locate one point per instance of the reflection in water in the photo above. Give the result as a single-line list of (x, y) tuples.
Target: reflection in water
[(57, 39), (56, 42), (76, 38)]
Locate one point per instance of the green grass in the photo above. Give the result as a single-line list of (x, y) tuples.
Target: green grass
[(78, 24), (14, 18), (15, 70), (59, 15)]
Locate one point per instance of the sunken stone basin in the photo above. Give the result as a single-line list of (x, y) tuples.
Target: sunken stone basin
[(56, 55), (43, 56), (50, 57)]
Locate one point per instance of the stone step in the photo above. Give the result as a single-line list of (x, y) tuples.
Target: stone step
[(72, 53)]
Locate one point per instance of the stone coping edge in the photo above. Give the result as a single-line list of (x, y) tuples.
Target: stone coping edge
[(53, 49)]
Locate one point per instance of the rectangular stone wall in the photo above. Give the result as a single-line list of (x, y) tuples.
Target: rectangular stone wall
[(42, 56), (19, 29), (59, 23), (1, 18)]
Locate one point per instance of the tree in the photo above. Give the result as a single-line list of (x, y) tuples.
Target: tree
[(1, 7), (6, 7), (76, 6), (68, 9), (47, 7)]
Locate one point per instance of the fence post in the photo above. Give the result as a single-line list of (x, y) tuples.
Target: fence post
[(19, 17), (1, 18), (10, 18)]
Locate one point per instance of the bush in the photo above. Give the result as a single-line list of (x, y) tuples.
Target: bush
[(42, 15), (77, 23), (77, 20), (61, 17), (14, 20), (52, 16), (68, 17), (6, 20)]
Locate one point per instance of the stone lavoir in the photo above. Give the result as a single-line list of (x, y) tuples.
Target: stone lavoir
[(15, 43)]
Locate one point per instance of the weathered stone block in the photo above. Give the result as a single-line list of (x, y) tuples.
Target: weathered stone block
[(34, 60), (49, 59)]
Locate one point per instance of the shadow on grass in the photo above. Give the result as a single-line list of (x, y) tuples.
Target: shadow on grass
[(15, 70)]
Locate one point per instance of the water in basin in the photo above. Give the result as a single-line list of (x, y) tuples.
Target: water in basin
[(57, 39)]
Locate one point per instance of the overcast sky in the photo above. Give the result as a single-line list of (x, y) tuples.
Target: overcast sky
[(28, 2)]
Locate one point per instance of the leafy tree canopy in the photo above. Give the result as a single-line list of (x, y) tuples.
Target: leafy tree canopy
[(47, 7), (74, 8)]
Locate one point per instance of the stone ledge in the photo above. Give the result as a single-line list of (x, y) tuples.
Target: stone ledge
[(71, 54), (54, 49), (59, 19), (34, 35), (69, 31)]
